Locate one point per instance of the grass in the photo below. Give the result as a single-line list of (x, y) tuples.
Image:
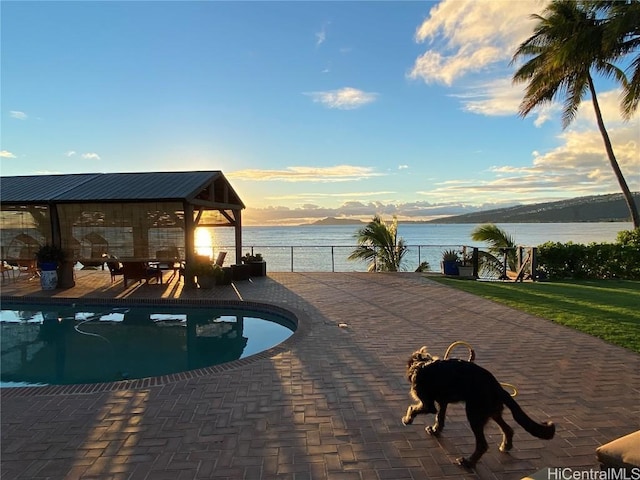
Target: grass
[(607, 309)]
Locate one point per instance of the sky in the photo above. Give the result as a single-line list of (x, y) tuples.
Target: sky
[(310, 109)]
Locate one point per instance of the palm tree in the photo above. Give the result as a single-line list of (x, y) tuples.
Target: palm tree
[(621, 37), (565, 45), (498, 241), (379, 244)]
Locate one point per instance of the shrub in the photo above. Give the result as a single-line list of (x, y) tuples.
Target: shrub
[(597, 260)]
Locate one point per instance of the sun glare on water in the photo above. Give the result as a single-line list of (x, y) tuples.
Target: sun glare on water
[(203, 242)]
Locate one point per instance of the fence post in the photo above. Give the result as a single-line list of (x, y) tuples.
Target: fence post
[(333, 263), (534, 263), (475, 259), (291, 258)]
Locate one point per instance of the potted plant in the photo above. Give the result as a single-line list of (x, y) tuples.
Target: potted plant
[(208, 274), (465, 266), (226, 276), (257, 265), (49, 257), (450, 261)]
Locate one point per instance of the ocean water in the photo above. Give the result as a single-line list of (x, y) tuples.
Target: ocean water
[(326, 248)]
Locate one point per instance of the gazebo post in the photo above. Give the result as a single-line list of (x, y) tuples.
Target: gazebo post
[(238, 236), (189, 244)]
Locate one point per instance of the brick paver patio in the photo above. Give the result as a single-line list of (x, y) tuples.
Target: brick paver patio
[(329, 404)]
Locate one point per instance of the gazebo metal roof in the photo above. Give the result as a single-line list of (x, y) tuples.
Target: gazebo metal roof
[(118, 187)]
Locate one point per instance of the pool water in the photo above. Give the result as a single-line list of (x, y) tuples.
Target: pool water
[(68, 344)]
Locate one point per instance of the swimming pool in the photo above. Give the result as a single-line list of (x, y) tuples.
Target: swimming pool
[(73, 343)]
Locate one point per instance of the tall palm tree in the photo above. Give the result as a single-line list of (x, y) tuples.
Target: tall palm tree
[(621, 37), (379, 244), (566, 44)]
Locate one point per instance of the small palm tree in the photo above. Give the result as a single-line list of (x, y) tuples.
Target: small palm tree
[(567, 43), (379, 244), (498, 240)]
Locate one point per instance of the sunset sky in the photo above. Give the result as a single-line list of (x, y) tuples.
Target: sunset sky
[(311, 109)]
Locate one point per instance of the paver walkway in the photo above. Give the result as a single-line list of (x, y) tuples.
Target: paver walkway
[(329, 405)]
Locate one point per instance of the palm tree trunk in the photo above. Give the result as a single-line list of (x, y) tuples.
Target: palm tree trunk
[(633, 209)]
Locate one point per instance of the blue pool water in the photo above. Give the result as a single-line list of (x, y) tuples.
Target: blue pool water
[(68, 344)]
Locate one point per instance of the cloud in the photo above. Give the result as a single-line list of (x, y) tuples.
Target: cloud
[(18, 114), (582, 154), (6, 154), (343, 99), (70, 153), (310, 212), (499, 97), (321, 36), (338, 173), (403, 167), (91, 156), (471, 35), (578, 166), (307, 196)]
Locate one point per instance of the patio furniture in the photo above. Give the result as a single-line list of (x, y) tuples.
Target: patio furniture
[(98, 247), (114, 265), (28, 268), (8, 271), (140, 271), (220, 258), (621, 453), (168, 259)]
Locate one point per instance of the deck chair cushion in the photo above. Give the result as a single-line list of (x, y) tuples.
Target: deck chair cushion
[(623, 452)]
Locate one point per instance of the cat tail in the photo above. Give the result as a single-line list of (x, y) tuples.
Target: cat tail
[(541, 430)]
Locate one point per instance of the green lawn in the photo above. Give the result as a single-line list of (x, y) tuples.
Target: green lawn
[(608, 309)]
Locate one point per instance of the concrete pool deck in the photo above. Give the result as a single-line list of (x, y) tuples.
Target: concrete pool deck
[(329, 405)]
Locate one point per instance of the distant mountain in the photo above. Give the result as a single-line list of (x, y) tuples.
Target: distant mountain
[(595, 208), (337, 221)]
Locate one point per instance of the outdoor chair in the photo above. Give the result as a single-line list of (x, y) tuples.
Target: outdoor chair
[(220, 258), (98, 246), (8, 271), (140, 271), (114, 265)]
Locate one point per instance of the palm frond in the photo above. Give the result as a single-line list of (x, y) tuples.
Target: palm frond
[(497, 239)]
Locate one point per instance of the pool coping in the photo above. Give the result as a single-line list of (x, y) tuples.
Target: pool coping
[(302, 330)]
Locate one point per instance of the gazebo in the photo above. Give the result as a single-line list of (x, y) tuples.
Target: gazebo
[(135, 216)]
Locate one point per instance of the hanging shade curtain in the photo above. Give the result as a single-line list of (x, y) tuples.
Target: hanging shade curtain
[(126, 230), (24, 228)]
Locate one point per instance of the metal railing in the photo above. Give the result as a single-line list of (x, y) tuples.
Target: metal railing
[(331, 258)]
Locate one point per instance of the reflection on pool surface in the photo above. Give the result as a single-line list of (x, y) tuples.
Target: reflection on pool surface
[(65, 344)]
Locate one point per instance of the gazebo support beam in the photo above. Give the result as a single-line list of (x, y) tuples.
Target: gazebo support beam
[(189, 244), (238, 231)]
